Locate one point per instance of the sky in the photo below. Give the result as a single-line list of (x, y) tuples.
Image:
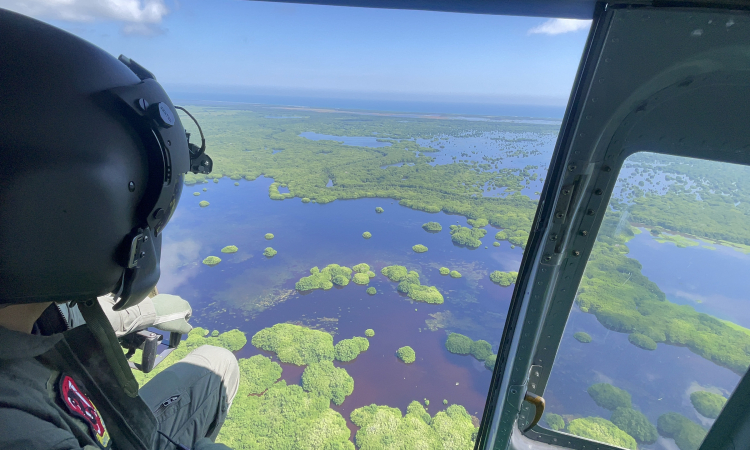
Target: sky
[(249, 47)]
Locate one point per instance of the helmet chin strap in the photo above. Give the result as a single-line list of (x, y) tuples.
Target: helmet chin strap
[(102, 330)]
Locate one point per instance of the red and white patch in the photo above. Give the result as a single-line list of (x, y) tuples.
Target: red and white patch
[(79, 405)]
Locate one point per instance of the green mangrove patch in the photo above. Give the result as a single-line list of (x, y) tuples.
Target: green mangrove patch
[(707, 403), (406, 354), (326, 380), (687, 434), (382, 427), (504, 279), (582, 337), (419, 248), (432, 226), (609, 397), (229, 249), (211, 260), (408, 283), (348, 349), (469, 237), (295, 344)]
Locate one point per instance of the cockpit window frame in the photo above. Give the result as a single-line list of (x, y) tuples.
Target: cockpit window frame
[(603, 125)]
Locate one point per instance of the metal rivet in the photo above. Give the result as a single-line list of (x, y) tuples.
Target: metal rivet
[(576, 253), (547, 258), (607, 169), (553, 237), (131, 186), (559, 215), (598, 191), (143, 254), (145, 238), (584, 233), (169, 143), (590, 212), (566, 191), (572, 167)]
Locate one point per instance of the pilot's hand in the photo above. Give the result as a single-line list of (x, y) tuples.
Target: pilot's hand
[(172, 313)]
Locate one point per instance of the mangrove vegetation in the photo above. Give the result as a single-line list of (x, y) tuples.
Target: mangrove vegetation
[(408, 283)]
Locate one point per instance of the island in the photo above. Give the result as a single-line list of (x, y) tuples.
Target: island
[(455, 274), (295, 344), (609, 397), (687, 434), (410, 285), (419, 248), (367, 235), (269, 252), (361, 278), (444, 271), (582, 337), (269, 236), (478, 223), (602, 430), (369, 332), (203, 203), (381, 425), (636, 424), (347, 349), (204, 189), (554, 421), (196, 193), (326, 278), (504, 279), (496, 244), (378, 210), (707, 403), (371, 291), (325, 380), (432, 227), (211, 260), (361, 268), (229, 249), (305, 200), (467, 237), (639, 306), (406, 354), (642, 341), (464, 345)]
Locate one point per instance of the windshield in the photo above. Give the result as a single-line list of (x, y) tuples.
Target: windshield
[(376, 174)]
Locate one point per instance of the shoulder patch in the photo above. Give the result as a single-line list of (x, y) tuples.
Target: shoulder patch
[(79, 405)]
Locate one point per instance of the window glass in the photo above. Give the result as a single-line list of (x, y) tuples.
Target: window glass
[(376, 174), (659, 335)]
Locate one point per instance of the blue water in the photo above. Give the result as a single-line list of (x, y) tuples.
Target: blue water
[(660, 381), (480, 109), (249, 291)]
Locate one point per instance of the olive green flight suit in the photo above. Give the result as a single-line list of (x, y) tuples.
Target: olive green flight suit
[(189, 400)]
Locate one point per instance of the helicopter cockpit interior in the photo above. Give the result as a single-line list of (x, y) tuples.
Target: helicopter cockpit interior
[(608, 311)]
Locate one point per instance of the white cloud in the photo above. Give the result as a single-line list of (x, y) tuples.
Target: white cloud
[(145, 12), (559, 26)]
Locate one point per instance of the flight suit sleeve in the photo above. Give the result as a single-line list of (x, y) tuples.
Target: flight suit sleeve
[(24, 431)]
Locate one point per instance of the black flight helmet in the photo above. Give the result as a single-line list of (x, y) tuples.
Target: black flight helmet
[(92, 161)]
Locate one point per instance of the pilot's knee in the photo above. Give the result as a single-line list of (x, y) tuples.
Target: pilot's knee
[(221, 362)]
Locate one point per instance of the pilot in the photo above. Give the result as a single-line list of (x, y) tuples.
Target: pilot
[(92, 159)]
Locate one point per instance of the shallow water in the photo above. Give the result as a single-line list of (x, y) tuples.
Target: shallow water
[(243, 290), (250, 292), (357, 141)]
